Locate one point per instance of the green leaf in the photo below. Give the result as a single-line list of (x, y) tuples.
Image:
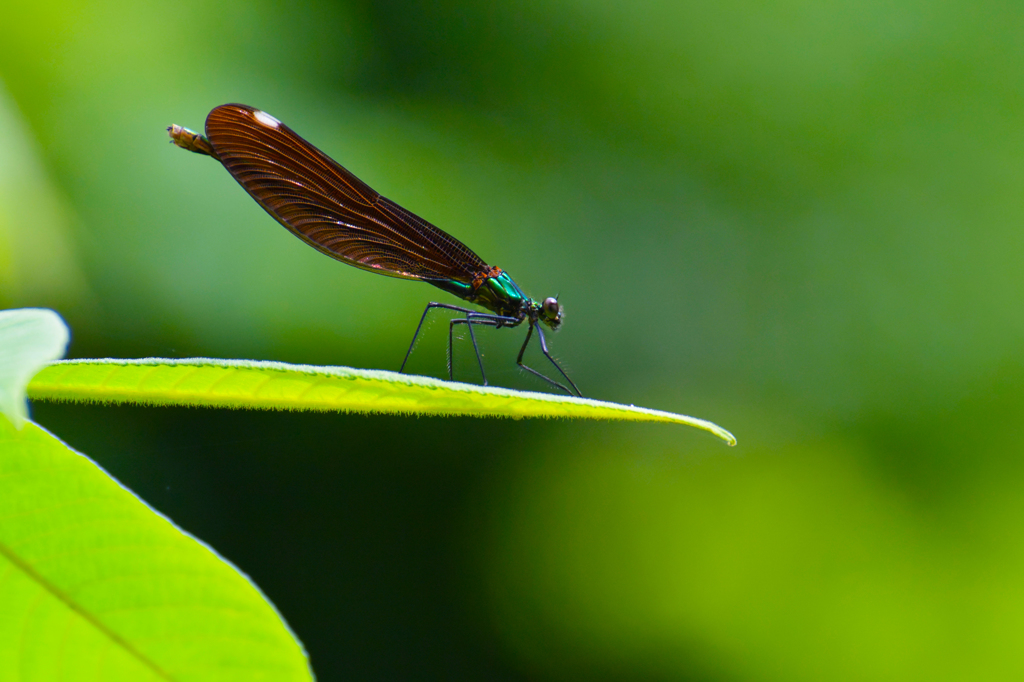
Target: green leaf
[(94, 585), (30, 339), (273, 385)]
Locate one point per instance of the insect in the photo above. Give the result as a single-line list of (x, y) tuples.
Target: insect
[(336, 213)]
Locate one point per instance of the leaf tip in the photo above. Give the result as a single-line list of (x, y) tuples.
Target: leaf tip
[(30, 339)]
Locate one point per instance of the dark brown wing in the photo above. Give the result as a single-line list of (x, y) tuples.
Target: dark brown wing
[(329, 208)]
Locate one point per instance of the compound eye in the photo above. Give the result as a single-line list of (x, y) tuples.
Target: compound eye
[(551, 308)]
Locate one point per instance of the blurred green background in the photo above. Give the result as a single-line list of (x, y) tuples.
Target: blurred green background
[(800, 220)]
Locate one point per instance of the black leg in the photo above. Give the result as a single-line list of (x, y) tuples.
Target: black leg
[(544, 349), (430, 306), (451, 352), (498, 321), (476, 317), (476, 349), (469, 321), (415, 336)]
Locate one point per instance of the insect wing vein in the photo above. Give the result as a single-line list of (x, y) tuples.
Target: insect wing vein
[(326, 206)]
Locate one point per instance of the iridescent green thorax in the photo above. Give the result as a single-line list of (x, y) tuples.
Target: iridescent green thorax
[(502, 296), (495, 291)]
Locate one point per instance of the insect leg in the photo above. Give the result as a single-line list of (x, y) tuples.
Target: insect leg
[(430, 306), (544, 349), (469, 321)]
